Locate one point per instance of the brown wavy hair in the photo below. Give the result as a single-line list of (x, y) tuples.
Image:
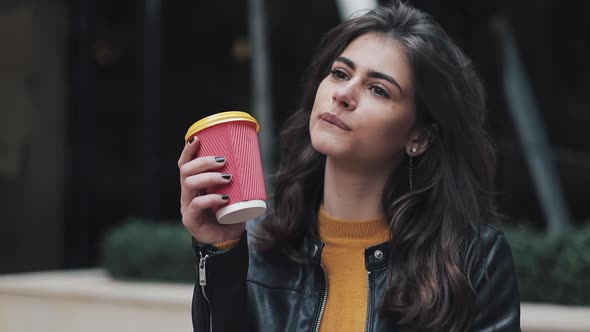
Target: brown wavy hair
[(428, 273)]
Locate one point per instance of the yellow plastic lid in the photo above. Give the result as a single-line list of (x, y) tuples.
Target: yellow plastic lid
[(218, 118)]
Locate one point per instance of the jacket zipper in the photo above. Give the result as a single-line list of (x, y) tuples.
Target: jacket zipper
[(203, 283), (324, 300), (367, 324)]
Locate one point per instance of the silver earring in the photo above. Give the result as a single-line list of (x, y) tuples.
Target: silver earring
[(411, 167)]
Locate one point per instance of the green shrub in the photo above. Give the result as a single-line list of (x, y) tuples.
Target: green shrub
[(550, 268), (572, 268), (149, 251)]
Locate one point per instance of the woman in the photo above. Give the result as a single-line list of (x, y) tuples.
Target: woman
[(379, 218)]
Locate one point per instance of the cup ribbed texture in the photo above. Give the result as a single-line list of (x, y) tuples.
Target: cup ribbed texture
[(238, 143)]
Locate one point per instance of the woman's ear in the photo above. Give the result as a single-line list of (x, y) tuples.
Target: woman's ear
[(420, 139)]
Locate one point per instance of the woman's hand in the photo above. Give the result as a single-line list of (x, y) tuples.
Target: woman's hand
[(196, 174)]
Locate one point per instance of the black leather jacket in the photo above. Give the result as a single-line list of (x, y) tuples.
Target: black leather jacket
[(239, 290)]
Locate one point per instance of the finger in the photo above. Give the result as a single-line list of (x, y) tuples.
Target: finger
[(195, 213), (189, 152), (205, 180), (200, 165), (190, 186)]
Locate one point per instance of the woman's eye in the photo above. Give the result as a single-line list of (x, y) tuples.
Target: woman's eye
[(339, 74), (379, 91)]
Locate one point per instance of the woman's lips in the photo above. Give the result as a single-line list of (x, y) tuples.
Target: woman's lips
[(335, 120)]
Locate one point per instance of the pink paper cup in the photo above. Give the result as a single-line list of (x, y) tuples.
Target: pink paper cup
[(234, 135)]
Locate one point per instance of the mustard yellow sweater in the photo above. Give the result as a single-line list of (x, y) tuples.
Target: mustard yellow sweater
[(344, 262)]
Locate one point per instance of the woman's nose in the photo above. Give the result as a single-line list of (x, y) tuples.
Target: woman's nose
[(344, 97)]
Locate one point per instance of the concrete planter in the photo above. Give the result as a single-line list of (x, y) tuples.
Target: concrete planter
[(89, 301), (554, 318)]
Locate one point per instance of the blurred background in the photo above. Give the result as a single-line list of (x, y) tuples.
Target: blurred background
[(96, 96)]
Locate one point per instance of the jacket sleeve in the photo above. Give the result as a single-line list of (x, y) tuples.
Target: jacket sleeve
[(497, 298), (219, 298)]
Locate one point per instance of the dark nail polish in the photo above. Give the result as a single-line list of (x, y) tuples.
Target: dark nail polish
[(219, 159), (192, 140), (226, 176), (224, 197)]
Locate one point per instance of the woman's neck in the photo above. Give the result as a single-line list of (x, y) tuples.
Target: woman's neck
[(352, 193)]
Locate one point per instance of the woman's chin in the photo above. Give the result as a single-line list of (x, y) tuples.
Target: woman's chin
[(330, 149)]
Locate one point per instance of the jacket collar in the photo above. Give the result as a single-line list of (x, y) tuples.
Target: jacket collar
[(375, 257)]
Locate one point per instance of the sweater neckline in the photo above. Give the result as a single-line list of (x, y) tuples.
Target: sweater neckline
[(333, 228)]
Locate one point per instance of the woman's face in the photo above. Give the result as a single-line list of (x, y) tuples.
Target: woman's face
[(364, 109)]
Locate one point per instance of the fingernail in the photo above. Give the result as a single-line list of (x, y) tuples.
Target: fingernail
[(226, 176), (219, 159), (192, 140), (224, 197)]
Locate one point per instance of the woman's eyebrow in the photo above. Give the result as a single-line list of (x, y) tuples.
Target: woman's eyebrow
[(373, 74), (346, 61), (376, 74)]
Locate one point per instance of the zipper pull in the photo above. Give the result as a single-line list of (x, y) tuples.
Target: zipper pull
[(202, 271)]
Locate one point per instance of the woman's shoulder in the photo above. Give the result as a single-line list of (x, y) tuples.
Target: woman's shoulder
[(484, 238), (488, 248), (487, 235)]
